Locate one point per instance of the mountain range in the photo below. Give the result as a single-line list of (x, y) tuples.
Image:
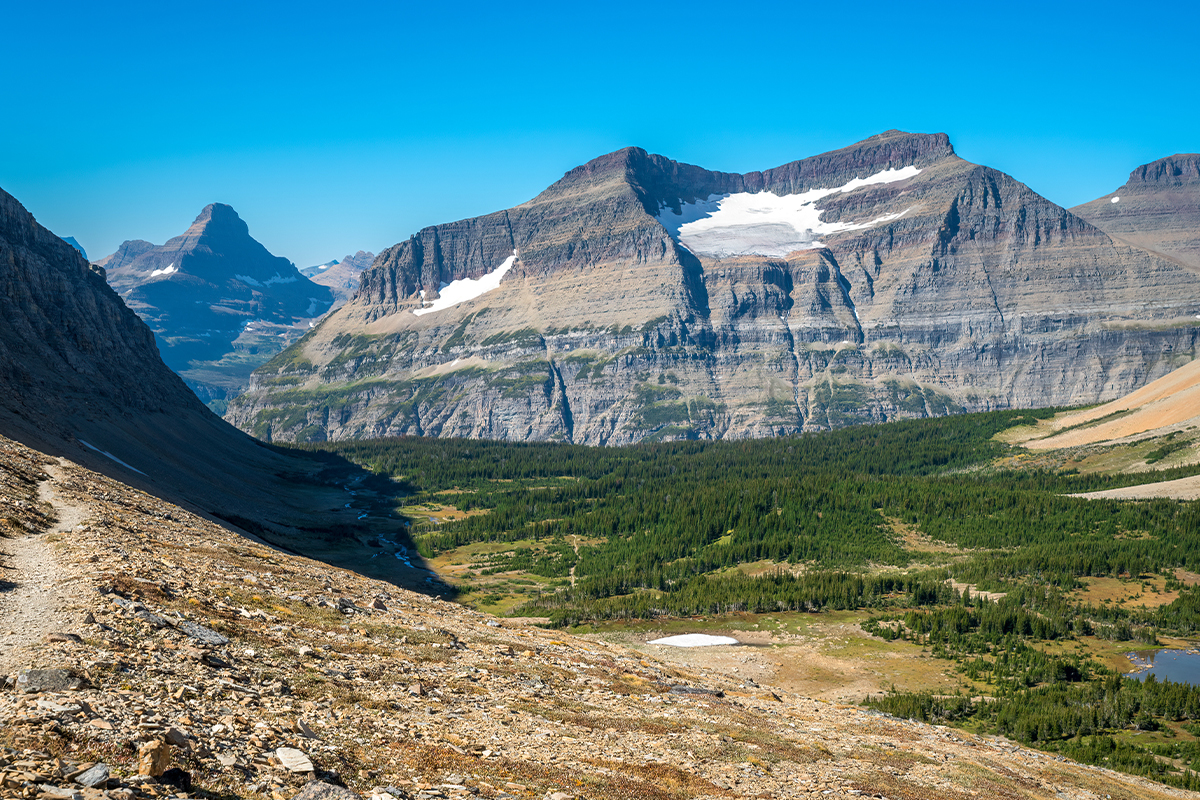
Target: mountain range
[(1158, 209), (340, 276), (181, 640), (639, 298), (219, 303)]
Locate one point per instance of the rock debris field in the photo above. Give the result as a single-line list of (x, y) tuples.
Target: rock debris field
[(148, 653)]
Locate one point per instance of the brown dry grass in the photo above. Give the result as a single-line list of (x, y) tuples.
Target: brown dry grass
[(1149, 592), (1173, 399)]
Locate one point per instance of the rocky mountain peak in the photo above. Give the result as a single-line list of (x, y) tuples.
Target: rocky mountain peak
[(1181, 169), (1158, 209), (68, 346), (650, 298), (210, 287), (218, 228)]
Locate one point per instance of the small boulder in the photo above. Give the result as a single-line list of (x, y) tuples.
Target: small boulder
[(319, 790), (48, 680), (202, 634), (293, 760), (153, 758), (95, 777)]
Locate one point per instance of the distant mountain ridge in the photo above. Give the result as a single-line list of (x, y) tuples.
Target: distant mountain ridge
[(1158, 208), (74, 243), (341, 276), (218, 302), (641, 298)]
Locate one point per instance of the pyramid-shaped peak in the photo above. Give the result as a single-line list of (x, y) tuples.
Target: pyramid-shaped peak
[(221, 216)]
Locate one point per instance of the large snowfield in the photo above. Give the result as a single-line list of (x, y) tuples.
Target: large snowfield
[(766, 224), (464, 289)]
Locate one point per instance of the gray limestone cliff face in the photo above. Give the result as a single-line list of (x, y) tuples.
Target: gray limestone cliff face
[(944, 286)]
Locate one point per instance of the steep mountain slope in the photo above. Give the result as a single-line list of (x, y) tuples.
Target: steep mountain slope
[(256, 672), (1158, 209), (80, 376), (642, 298), (1169, 404), (218, 302), (342, 276)]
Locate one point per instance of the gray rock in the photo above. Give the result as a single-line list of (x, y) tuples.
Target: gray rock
[(293, 760), (52, 792), (94, 777), (154, 619), (202, 634), (48, 680), (319, 790)]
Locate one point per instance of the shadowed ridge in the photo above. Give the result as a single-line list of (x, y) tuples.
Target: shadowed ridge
[(80, 376)]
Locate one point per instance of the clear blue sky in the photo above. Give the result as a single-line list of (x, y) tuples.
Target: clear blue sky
[(332, 127)]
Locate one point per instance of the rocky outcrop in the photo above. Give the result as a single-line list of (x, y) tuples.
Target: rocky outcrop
[(68, 346), (1158, 209), (218, 302), (642, 298)]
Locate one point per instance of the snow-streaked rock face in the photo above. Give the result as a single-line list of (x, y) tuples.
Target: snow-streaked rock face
[(659, 300), (464, 289)]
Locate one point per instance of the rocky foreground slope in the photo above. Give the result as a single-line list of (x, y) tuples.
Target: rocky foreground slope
[(174, 659), (218, 302), (641, 298)]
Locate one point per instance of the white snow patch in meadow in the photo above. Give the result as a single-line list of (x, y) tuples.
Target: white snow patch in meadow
[(110, 455), (695, 640), (464, 289), (277, 278), (167, 271), (314, 304), (764, 223), (1115, 200), (246, 279)]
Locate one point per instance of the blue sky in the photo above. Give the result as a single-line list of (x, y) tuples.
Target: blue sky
[(335, 127)]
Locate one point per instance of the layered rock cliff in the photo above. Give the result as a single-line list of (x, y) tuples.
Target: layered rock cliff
[(1158, 209), (219, 303), (642, 298), (68, 346)]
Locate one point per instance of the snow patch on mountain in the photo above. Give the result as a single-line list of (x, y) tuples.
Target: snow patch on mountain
[(167, 271), (764, 223), (276, 278), (464, 289)]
